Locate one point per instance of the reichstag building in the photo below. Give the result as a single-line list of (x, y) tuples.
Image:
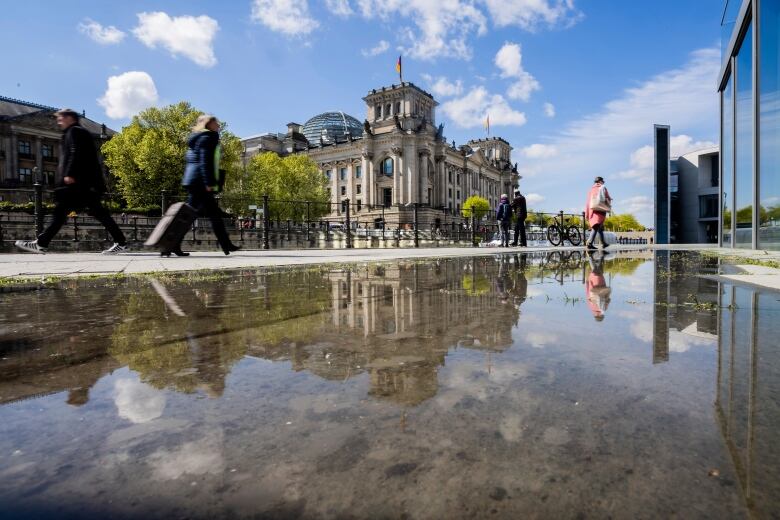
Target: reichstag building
[(397, 158)]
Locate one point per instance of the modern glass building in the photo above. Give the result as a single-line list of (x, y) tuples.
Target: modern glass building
[(749, 88)]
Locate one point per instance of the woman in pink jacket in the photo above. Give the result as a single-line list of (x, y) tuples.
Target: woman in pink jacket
[(596, 218)]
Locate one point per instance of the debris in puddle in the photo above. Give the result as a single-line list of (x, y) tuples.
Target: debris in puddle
[(713, 472)]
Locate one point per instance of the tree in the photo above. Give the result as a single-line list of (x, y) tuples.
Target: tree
[(538, 219), (623, 222), (289, 182), (147, 156), (475, 206)]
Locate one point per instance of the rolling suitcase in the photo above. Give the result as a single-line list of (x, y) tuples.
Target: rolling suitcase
[(170, 231)]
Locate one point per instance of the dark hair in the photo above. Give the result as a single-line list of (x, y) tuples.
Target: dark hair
[(598, 179), (68, 112), (517, 192)]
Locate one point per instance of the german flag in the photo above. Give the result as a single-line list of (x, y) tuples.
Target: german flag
[(399, 69), (487, 124)]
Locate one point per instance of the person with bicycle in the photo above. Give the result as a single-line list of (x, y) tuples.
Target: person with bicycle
[(598, 204), (504, 218)]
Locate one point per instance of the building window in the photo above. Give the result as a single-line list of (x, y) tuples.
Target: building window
[(744, 143), (48, 177), (343, 190), (378, 112), (397, 107), (450, 194), (25, 175), (458, 197), (769, 125), (47, 150), (708, 206), (358, 189), (359, 205), (358, 172), (388, 110), (457, 179), (387, 197), (328, 174), (343, 174), (387, 167), (449, 177), (25, 148)]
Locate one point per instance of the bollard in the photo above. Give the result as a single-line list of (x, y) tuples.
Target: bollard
[(38, 194), (266, 223)]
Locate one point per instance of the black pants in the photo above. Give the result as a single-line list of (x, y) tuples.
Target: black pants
[(597, 229), (505, 225), (206, 204), (520, 232), (72, 198)]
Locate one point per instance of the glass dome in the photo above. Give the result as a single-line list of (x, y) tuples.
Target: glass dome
[(332, 127)]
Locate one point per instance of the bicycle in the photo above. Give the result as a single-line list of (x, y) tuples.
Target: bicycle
[(558, 231)]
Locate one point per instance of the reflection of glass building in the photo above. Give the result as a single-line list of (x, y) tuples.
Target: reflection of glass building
[(749, 89)]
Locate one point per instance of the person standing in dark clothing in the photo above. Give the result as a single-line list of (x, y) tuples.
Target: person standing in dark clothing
[(80, 184), (521, 212), (504, 218), (202, 177)]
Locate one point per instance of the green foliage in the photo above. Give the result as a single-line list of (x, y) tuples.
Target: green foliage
[(623, 222), (23, 207), (476, 206), (147, 156), (288, 182), (538, 219)]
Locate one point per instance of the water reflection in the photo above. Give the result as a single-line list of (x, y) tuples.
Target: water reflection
[(586, 380)]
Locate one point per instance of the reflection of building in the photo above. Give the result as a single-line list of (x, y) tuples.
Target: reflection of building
[(686, 197), (397, 157), (748, 386), (30, 138), (749, 87), (682, 302)]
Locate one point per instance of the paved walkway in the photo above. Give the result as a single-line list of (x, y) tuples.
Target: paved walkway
[(27, 265)]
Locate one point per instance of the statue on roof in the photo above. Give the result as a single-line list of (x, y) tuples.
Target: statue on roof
[(440, 132), (397, 122), (367, 127)]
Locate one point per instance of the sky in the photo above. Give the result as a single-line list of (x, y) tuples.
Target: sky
[(575, 86)]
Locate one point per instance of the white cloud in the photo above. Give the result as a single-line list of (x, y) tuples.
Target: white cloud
[(128, 93), (339, 7), (637, 205), (530, 15), (541, 339), (138, 402), (443, 87), (103, 35), (471, 110), (642, 159), (289, 17), (378, 49), (509, 59), (549, 110), (600, 143), (188, 36), (200, 457), (534, 198), (442, 28), (540, 151)]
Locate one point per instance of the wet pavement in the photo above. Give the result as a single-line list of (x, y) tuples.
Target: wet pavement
[(508, 386)]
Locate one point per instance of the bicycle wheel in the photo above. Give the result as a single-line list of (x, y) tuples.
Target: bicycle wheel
[(573, 235), (554, 235)]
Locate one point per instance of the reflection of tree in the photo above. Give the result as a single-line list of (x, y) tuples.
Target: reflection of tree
[(476, 284), (624, 266)]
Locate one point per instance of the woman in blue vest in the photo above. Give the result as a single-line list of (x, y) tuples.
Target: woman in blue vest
[(202, 176)]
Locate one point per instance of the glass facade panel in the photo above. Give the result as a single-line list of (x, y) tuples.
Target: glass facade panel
[(727, 151), (769, 125), (743, 118)]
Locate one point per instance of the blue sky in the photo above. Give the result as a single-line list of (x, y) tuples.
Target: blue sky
[(574, 85)]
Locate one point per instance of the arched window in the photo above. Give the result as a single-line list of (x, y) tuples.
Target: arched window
[(378, 112), (387, 167), (388, 109), (397, 107)]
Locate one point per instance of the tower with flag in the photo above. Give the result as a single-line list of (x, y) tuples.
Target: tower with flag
[(487, 124), (399, 69)]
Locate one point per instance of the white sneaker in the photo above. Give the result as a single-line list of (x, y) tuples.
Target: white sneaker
[(30, 246), (115, 249)]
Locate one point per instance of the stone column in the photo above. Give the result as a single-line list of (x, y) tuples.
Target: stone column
[(7, 148), (38, 158), (13, 152), (335, 194), (351, 184), (367, 182)]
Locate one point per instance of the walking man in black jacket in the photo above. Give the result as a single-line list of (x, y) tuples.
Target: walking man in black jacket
[(521, 212), (80, 184)]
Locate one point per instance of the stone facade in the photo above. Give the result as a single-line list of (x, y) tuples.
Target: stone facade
[(401, 159), (30, 138)]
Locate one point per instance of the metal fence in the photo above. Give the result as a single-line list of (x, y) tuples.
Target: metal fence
[(272, 223)]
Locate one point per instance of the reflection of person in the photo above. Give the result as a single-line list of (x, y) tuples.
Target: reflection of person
[(519, 289), (80, 185), (202, 176), (596, 290), (596, 215), (504, 218), (521, 212)]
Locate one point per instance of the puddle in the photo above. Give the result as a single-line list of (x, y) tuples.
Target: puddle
[(540, 385)]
